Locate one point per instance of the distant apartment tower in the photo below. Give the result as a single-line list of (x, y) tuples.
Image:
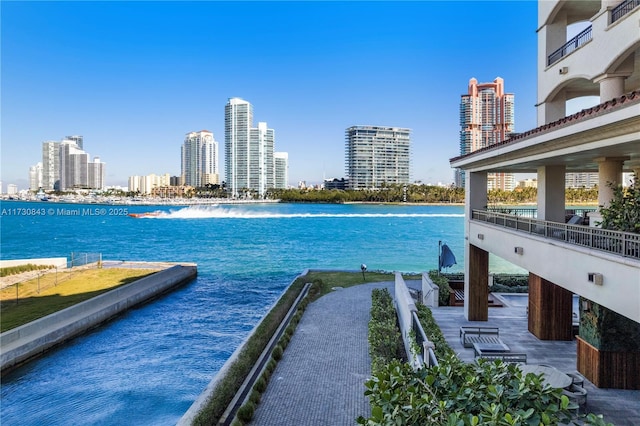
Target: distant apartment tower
[(199, 158), (486, 118), (74, 170), (377, 156), (50, 165), (96, 174), (581, 180), (35, 177), (145, 185), (281, 170), (79, 140), (249, 151)]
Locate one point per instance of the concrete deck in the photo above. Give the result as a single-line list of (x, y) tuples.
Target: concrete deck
[(320, 379)]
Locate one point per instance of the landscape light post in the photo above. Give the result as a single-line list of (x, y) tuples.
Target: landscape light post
[(363, 268)]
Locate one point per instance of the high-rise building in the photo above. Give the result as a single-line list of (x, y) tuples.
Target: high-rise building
[(74, 168), (377, 155), (79, 140), (35, 177), (249, 151), (486, 118), (281, 170), (50, 165), (96, 174), (199, 156)]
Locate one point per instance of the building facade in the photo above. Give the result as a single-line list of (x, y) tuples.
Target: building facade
[(35, 177), (199, 159), (376, 156), (50, 165), (281, 170), (486, 118), (249, 151), (601, 266)]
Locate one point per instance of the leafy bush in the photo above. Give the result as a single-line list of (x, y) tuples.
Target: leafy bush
[(455, 393), (443, 285), (277, 353), (433, 332), (623, 212), (384, 335), (245, 413)]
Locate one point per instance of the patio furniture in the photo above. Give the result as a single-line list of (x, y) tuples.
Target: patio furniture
[(577, 397), (576, 378), (470, 335), (482, 349), (550, 375), (508, 357)]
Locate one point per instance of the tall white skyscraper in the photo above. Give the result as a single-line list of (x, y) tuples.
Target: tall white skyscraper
[(248, 150), (50, 165), (96, 174), (199, 157), (281, 170), (377, 155), (35, 177), (73, 166)]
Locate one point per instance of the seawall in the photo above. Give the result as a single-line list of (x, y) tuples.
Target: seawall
[(33, 339)]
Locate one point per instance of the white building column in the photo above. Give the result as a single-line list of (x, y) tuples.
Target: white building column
[(551, 193), (611, 86), (609, 177)]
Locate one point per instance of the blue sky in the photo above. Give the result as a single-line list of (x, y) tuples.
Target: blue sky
[(134, 77)]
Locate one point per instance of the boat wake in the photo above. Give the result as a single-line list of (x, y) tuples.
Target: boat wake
[(217, 212)]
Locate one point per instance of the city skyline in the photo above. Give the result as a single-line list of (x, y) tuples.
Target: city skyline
[(312, 69)]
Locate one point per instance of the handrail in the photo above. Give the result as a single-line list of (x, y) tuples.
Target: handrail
[(576, 42), (624, 244), (623, 8), (533, 212), (429, 356)]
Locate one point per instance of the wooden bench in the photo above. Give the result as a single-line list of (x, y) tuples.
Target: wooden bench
[(508, 357), (470, 335)]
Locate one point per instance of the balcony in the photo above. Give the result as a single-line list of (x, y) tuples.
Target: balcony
[(623, 244), (572, 45), (623, 8)]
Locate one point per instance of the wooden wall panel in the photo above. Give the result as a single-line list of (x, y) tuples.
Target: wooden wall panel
[(609, 369), (478, 309), (550, 310)]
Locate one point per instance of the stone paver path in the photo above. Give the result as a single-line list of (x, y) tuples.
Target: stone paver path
[(320, 379)]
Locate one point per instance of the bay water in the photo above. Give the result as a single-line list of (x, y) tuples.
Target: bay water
[(151, 363)]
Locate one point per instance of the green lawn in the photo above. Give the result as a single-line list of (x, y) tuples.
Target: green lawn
[(71, 288)]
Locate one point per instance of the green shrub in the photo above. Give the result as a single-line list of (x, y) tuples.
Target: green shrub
[(385, 340), (245, 413), (443, 287), (455, 393), (272, 364), (255, 397), (277, 353), (260, 385), (18, 269)]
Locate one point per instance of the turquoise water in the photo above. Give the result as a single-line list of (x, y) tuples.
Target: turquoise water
[(149, 365)]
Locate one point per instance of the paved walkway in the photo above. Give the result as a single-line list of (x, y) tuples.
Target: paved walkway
[(320, 379)]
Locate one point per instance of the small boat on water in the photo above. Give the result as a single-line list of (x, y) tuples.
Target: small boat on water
[(145, 214)]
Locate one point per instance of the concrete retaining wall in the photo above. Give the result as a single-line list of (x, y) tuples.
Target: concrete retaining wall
[(30, 340), (59, 262)]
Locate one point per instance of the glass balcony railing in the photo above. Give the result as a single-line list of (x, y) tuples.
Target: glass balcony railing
[(624, 244)]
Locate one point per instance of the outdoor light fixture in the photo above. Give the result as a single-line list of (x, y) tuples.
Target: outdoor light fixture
[(481, 236), (595, 277), (363, 268), (518, 250)]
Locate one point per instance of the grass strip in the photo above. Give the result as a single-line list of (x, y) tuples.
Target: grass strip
[(81, 286)]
